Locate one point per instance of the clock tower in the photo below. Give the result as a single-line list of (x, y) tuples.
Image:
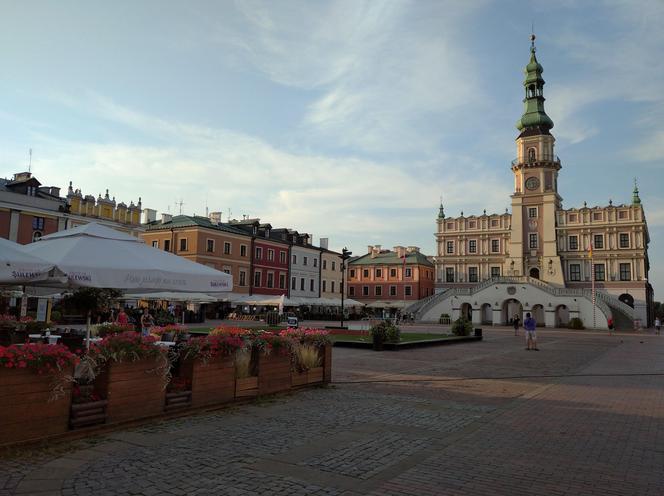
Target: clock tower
[(533, 248)]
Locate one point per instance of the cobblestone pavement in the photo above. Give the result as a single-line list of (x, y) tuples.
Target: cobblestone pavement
[(476, 418)]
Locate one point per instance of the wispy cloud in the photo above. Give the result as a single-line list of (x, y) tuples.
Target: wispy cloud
[(378, 82), (231, 170)]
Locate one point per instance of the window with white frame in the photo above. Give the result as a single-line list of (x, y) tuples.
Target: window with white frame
[(409, 272), (155, 244), (472, 246), (243, 250), (257, 279), (227, 247), (574, 272), (532, 212), (532, 241), (472, 274), (270, 280), (598, 241), (495, 245), (259, 253), (600, 272), (209, 246), (625, 272), (573, 242), (270, 255), (393, 290), (365, 290), (450, 247), (449, 274), (378, 291), (408, 290), (624, 240)]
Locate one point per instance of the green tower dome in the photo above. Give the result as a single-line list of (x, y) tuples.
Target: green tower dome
[(534, 116)]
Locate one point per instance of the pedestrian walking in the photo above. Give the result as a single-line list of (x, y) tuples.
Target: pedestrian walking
[(146, 322), (658, 325), (516, 321), (529, 325), (122, 318)]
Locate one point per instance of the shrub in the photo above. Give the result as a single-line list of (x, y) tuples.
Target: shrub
[(315, 337), (576, 323), (103, 330), (55, 316), (462, 327), (243, 365), (385, 332), (307, 357)]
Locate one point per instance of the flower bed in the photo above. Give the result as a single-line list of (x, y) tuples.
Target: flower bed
[(35, 391)]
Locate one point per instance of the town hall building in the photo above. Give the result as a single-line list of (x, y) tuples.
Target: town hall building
[(543, 258)]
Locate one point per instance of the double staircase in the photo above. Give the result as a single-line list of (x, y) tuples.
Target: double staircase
[(623, 314)]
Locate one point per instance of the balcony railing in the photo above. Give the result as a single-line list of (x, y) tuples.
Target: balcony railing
[(547, 159)]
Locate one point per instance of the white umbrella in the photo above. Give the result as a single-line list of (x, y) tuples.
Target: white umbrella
[(95, 256), (100, 257), (17, 266)]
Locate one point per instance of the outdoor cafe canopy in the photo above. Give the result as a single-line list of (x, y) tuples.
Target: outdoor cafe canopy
[(17, 266), (96, 256)]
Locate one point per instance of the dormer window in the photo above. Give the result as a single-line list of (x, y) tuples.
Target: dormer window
[(255, 230), (267, 233)]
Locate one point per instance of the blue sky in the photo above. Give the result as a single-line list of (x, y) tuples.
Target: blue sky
[(344, 119)]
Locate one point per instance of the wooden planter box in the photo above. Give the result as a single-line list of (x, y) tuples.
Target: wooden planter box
[(88, 414), (246, 387), (212, 383), (274, 373), (327, 363), (25, 410), (311, 376), (133, 390)]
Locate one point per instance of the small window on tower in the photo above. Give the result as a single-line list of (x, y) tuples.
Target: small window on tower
[(532, 155)]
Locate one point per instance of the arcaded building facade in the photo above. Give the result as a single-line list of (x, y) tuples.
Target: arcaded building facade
[(543, 243)]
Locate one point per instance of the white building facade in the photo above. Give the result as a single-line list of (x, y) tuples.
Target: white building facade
[(305, 268), (542, 258)]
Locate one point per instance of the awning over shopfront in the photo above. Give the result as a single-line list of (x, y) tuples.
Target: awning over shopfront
[(389, 304)]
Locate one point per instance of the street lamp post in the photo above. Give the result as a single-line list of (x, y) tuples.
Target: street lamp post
[(345, 255)]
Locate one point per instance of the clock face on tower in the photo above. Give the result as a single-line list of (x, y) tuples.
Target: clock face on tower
[(532, 183)]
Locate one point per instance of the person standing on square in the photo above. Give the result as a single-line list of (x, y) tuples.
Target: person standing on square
[(529, 325)]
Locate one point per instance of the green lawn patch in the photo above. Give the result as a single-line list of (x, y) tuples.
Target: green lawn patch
[(405, 337)]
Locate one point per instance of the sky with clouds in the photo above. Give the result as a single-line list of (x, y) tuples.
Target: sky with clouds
[(346, 119)]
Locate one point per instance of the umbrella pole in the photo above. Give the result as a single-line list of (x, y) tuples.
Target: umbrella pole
[(87, 331)]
